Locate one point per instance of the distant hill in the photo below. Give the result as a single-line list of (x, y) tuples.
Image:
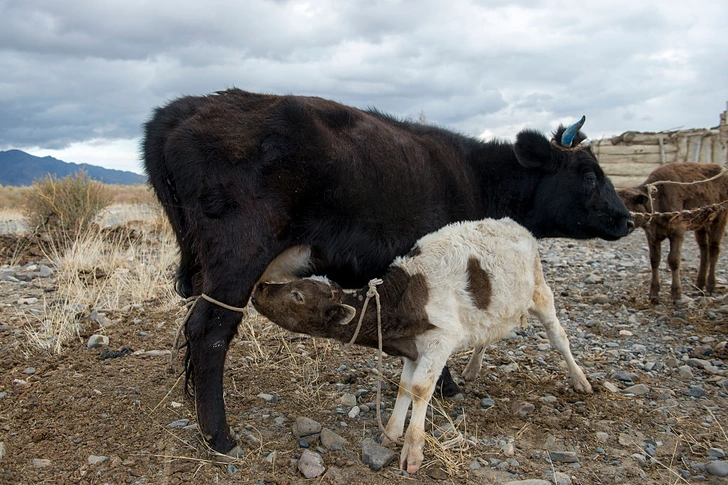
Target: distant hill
[(20, 168)]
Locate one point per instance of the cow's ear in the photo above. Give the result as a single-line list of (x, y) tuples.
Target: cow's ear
[(534, 150), (340, 314)]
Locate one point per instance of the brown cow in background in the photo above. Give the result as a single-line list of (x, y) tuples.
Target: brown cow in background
[(681, 187)]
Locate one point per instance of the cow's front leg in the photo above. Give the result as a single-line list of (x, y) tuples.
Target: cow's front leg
[(209, 332)]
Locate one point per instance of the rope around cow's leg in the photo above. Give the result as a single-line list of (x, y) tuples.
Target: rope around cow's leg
[(180, 330)]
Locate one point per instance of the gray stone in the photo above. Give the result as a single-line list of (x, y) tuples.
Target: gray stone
[(375, 455), (45, 271), (685, 372), (348, 400), (610, 387), (96, 459), (715, 452), (637, 390), (487, 402), (311, 465), (564, 456), (330, 439), (695, 391), (305, 427), (40, 462), (559, 478), (180, 423), (718, 468), (29, 371), (521, 409), (354, 412), (99, 318), (96, 341), (231, 469), (2, 451), (623, 376), (266, 397), (550, 442)]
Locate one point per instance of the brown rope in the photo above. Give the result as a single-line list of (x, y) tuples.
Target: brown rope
[(191, 302), (695, 218), (373, 293)]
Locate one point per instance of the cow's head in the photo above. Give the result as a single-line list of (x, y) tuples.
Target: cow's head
[(310, 305), (573, 198)]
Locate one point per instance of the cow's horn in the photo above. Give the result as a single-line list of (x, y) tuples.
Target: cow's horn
[(568, 137)]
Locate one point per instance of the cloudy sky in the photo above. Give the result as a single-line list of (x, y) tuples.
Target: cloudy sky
[(78, 78)]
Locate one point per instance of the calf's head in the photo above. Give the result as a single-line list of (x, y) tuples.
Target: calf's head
[(637, 201), (311, 305), (573, 197)]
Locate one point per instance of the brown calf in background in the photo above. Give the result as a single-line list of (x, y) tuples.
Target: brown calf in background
[(678, 187)]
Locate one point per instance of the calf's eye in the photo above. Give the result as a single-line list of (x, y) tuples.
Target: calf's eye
[(297, 297)]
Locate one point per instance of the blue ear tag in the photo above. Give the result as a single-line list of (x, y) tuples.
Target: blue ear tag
[(568, 137)]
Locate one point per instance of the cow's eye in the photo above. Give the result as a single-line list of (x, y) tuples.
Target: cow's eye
[(297, 297), (591, 179)]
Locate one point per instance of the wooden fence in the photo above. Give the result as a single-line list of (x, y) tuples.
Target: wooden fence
[(628, 158)]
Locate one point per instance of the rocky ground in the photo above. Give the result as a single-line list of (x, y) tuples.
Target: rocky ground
[(115, 414)]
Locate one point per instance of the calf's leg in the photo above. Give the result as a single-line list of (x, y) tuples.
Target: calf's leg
[(543, 308), (673, 261), (424, 379), (395, 426), (715, 236), (701, 237), (474, 365), (655, 245)]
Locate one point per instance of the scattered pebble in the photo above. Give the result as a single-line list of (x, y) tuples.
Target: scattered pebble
[(311, 465), (564, 456), (303, 426), (375, 455), (97, 341), (718, 468), (96, 459)]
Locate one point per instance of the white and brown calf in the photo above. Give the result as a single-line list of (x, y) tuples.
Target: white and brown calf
[(468, 284)]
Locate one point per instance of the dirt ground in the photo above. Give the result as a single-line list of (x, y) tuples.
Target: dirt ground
[(77, 418)]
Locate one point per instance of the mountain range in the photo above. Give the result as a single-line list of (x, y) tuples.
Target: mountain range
[(20, 168)]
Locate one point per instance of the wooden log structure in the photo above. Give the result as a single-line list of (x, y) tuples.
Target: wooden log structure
[(628, 158)]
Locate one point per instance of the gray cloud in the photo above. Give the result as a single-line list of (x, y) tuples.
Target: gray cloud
[(83, 70)]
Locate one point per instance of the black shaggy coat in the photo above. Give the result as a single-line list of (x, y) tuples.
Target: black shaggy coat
[(242, 176)]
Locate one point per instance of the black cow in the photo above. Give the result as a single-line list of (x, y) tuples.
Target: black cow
[(243, 176)]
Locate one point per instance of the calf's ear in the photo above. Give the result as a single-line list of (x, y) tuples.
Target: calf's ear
[(533, 150), (340, 314)]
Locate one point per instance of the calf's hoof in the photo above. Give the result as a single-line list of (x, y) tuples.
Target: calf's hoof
[(583, 386), (411, 458)]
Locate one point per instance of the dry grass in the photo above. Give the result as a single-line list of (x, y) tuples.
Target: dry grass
[(12, 197), (105, 274)]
